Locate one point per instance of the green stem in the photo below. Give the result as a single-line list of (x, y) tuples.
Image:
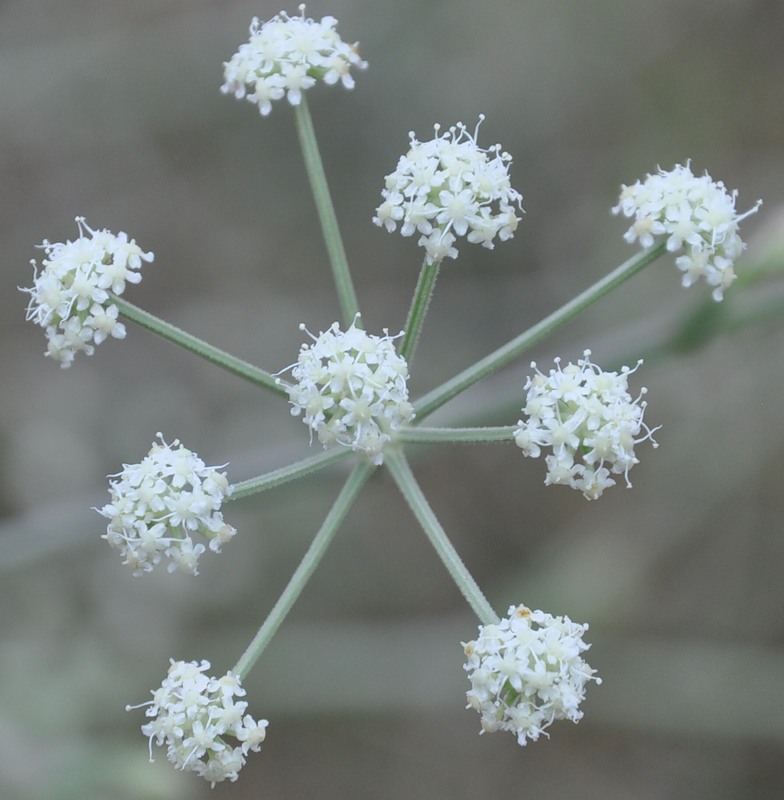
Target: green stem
[(456, 435), (504, 355), (199, 346), (279, 476), (419, 305), (306, 567), (326, 212), (407, 484)]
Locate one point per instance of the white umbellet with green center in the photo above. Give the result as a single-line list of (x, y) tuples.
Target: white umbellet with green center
[(351, 389), (526, 672), (160, 504)]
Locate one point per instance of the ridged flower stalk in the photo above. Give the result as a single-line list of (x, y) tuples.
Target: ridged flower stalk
[(306, 568)]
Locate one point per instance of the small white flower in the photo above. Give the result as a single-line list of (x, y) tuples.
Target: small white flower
[(286, 56), (697, 218), (194, 715), (350, 388), (526, 672), (158, 505), (450, 187), (70, 296), (589, 421)]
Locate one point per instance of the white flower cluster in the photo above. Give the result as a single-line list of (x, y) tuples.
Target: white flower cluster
[(449, 187), (194, 713), (526, 672), (697, 217), (70, 298), (157, 505), (286, 56), (351, 389), (588, 419)]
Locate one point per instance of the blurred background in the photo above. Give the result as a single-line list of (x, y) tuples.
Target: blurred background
[(111, 110)]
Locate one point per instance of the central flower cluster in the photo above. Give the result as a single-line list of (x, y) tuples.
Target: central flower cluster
[(287, 55), (696, 215), (194, 714), (156, 506), (351, 389), (70, 297), (526, 672), (449, 187), (590, 421)]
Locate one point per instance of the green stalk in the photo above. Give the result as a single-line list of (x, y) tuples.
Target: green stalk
[(306, 567), (504, 355), (456, 435), (326, 213), (199, 347), (419, 305), (407, 484), (285, 474)]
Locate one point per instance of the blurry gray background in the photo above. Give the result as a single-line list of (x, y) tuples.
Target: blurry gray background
[(111, 110)]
